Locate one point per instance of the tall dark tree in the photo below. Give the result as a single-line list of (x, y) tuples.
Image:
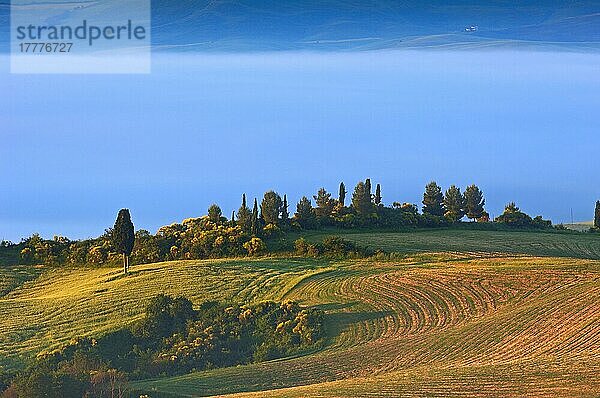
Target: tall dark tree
[(433, 200), (361, 199), (454, 204), (232, 222), (325, 204), (378, 195), (597, 215), (342, 194), (474, 202), (123, 236), (368, 187), (270, 207), (214, 213), (305, 214), (285, 213), (244, 216), (255, 222)]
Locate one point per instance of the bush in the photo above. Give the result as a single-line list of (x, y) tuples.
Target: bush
[(255, 246), (4, 381), (165, 316), (44, 381), (514, 217), (301, 246), (271, 230), (337, 245), (334, 246), (305, 248)]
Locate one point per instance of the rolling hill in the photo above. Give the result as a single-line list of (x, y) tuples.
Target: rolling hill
[(435, 322), (335, 25)]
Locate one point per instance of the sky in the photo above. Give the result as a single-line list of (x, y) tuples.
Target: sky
[(205, 128)]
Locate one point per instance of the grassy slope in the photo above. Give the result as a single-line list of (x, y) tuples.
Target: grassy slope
[(11, 277), (64, 303), (431, 325), (9, 255), (487, 326), (556, 244)]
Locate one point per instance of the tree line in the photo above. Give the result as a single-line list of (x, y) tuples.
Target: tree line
[(254, 224)]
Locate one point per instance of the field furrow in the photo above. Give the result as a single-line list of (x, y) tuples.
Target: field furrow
[(463, 323)]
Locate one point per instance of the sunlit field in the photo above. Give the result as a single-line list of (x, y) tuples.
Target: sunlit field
[(446, 322)]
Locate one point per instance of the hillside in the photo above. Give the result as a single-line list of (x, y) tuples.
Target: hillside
[(241, 25), (436, 323), (489, 326), (556, 244)]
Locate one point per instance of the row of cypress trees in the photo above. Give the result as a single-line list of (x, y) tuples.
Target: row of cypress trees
[(453, 205)]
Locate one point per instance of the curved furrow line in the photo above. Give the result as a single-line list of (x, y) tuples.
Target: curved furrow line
[(423, 304), (472, 315), (387, 299), (254, 288), (428, 314), (542, 328)]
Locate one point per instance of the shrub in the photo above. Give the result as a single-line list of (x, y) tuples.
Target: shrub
[(44, 381), (514, 217), (301, 246), (164, 316), (313, 250), (330, 246), (255, 246), (337, 245), (271, 230)]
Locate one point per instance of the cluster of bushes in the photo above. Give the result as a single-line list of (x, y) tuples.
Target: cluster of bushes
[(194, 238), (37, 250), (331, 246), (514, 217), (61, 250), (173, 338)]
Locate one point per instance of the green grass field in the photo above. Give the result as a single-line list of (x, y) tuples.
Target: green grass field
[(477, 319), (11, 277), (556, 244)]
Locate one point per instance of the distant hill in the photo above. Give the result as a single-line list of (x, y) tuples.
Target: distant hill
[(580, 226), (248, 25)]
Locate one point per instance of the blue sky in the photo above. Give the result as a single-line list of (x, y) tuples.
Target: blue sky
[(204, 128)]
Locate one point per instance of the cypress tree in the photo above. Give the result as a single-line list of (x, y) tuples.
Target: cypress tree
[(597, 215), (342, 194), (233, 223), (325, 204), (214, 213), (270, 207), (285, 214), (244, 218), (474, 202), (454, 204), (305, 213), (361, 199), (123, 236), (378, 195), (433, 200), (368, 187), (255, 223)]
